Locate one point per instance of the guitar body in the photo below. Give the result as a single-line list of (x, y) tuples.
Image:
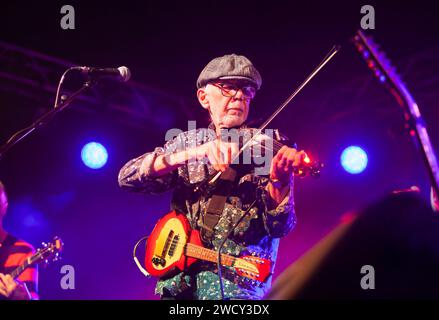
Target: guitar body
[(165, 248)]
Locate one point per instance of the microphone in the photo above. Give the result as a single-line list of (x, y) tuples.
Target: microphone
[(122, 74)]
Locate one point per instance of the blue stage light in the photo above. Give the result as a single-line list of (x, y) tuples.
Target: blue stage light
[(354, 159), (94, 155)]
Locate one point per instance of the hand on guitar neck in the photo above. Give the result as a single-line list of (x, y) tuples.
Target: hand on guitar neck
[(12, 289)]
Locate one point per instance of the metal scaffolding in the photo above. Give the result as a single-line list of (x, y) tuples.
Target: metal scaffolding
[(420, 71), (27, 73)]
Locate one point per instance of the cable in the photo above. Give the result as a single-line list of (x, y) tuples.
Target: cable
[(224, 241), (136, 261), (61, 81)]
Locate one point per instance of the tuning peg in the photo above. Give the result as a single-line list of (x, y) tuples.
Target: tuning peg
[(44, 244)]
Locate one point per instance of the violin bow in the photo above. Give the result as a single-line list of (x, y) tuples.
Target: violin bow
[(325, 60)]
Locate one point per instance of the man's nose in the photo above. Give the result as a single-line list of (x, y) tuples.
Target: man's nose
[(239, 95)]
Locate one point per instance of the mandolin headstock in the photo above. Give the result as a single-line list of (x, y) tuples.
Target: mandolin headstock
[(253, 267)]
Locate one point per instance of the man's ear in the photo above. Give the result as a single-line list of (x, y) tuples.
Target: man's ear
[(202, 98)]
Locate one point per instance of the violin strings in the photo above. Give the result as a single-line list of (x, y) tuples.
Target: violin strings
[(277, 145)]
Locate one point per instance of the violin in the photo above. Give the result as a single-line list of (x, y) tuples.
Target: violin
[(257, 148)]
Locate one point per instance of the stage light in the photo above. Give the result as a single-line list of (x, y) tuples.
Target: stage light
[(94, 155), (354, 159)]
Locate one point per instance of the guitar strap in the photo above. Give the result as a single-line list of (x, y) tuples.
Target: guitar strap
[(216, 204), (4, 253)]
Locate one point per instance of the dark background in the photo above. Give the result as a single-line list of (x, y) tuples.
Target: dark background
[(166, 45)]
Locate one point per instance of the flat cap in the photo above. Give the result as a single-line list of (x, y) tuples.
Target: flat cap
[(230, 66)]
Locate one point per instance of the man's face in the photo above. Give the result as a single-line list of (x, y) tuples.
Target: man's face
[(228, 101)]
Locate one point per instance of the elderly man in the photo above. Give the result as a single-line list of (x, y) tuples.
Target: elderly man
[(13, 252), (225, 88)]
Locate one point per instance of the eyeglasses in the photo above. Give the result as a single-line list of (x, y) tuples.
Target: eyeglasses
[(230, 90)]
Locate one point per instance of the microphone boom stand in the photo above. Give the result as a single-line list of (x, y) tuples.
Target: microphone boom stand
[(44, 119)]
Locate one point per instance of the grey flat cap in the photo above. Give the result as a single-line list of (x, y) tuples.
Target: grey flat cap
[(230, 66)]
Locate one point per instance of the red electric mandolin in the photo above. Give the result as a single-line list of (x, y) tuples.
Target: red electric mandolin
[(174, 246)]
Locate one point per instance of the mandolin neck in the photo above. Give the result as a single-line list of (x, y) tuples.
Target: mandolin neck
[(201, 253)]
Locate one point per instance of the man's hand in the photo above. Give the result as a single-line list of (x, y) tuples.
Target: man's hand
[(284, 163), (220, 153), (7, 285), (11, 290), (281, 171)]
